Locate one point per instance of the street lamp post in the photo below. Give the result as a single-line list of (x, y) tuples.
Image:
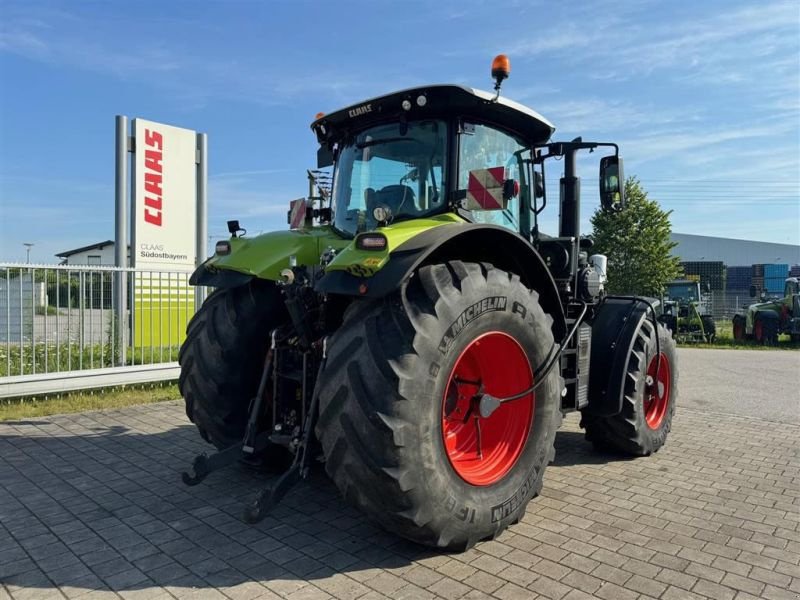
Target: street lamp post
[(28, 246)]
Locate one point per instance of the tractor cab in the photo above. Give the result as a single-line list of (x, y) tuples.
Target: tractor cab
[(427, 151), (448, 154), (686, 312), (679, 295)]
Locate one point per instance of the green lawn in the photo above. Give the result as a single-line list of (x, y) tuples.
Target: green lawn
[(12, 409), (16, 359), (725, 339)]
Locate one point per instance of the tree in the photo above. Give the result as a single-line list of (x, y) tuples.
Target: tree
[(637, 243)]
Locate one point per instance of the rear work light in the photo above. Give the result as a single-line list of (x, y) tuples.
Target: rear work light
[(223, 248), (371, 241)]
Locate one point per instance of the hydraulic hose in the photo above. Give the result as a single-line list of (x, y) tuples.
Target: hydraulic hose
[(488, 403)]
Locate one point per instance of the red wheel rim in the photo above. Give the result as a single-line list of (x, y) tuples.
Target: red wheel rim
[(657, 391), (758, 331), (482, 450), (738, 332)]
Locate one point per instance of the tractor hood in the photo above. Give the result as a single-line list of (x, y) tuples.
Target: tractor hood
[(266, 255), (365, 263)]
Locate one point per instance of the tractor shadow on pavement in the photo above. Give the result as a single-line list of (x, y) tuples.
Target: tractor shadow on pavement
[(96, 502), (105, 509), (573, 449)]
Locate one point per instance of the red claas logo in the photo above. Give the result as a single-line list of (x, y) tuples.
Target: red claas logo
[(153, 176)]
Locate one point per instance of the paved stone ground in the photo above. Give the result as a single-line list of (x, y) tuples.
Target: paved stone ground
[(91, 505)]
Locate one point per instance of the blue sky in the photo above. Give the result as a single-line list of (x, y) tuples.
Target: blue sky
[(703, 97)]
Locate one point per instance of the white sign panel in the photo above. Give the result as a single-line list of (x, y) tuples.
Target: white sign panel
[(164, 197)]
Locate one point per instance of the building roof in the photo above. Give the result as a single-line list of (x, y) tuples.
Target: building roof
[(733, 252), (97, 246)]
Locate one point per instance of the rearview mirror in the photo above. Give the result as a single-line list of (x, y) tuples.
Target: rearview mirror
[(612, 184), (753, 291), (510, 189), (538, 185)]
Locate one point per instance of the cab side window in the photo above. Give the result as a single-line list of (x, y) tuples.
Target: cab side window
[(488, 156)]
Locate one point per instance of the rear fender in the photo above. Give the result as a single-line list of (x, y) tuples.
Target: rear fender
[(467, 242), (613, 334)]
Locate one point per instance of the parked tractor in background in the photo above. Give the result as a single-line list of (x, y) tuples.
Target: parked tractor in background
[(416, 331), (764, 321), (685, 312)]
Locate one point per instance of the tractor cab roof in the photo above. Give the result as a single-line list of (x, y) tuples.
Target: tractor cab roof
[(435, 101), (682, 282)]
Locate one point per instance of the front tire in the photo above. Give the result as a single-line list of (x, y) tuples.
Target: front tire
[(649, 398), (397, 383)]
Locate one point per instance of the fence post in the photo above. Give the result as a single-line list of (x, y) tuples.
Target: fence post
[(201, 244), (121, 235)]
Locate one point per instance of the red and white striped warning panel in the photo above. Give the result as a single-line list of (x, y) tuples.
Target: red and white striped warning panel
[(297, 213), (485, 189)]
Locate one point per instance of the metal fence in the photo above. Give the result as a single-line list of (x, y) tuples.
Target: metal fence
[(67, 324), (724, 304)]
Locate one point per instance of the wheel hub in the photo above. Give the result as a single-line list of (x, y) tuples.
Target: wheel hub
[(657, 390), (483, 437)]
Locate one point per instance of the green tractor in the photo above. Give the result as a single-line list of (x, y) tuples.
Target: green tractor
[(419, 334), (764, 321), (685, 312)]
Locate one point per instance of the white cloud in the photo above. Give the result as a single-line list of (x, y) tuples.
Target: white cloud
[(190, 77), (651, 147)]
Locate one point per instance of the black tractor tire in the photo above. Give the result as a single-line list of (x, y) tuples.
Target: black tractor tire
[(384, 396), (709, 328), (223, 356), (739, 328), (765, 328), (632, 431)]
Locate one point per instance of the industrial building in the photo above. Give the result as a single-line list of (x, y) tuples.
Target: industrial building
[(698, 248), (728, 267)]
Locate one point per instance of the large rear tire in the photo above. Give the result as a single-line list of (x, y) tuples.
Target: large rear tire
[(649, 398), (395, 392), (222, 358)]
